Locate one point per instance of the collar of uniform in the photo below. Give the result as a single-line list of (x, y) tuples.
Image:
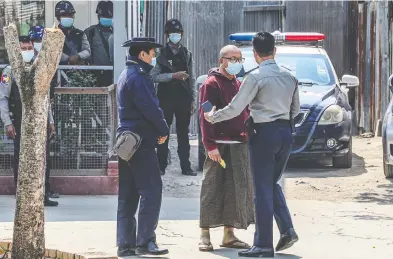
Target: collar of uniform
[(136, 61), (268, 62)]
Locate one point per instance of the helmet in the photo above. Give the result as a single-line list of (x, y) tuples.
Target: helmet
[(173, 25), (64, 7), (36, 33), (105, 8)]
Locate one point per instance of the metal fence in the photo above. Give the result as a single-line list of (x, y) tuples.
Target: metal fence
[(85, 124)]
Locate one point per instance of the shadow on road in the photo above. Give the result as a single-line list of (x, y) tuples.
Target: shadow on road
[(233, 253), (323, 168), (383, 198)]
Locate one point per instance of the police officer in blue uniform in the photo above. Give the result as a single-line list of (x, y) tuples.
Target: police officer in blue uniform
[(139, 178), (11, 114)]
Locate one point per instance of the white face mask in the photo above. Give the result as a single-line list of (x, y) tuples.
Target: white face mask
[(27, 55), (37, 46), (234, 68)]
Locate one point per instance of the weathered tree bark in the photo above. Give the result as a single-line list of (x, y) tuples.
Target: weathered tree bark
[(33, 82)]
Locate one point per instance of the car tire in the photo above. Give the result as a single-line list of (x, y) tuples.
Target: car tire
[(388, 170), (344, 161)]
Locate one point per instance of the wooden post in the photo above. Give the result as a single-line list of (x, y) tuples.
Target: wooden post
[(33, 82)]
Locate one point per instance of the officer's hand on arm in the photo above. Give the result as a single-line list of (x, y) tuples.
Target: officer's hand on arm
[(181, 75), (209, 115), (10, 131), (215, 155)]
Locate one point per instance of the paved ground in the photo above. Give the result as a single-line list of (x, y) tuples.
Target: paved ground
[(338, 214)]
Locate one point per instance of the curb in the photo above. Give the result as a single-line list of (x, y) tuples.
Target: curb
[(6, 247)]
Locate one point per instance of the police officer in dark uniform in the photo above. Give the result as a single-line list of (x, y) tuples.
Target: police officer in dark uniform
[(76, 50), (273, 96), (139, 178), (176, 91), (11, 114)]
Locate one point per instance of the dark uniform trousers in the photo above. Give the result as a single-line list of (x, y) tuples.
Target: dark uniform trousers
[(181, 108), (270, 147), (17, 125), (139, 182)]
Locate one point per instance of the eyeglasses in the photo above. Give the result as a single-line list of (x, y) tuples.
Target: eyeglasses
[(234, 60)]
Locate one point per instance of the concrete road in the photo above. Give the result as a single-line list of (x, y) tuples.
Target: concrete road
[(327, 230)]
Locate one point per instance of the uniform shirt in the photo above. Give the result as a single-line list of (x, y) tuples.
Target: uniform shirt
[(138, 108), (271, 91), (5, 89)]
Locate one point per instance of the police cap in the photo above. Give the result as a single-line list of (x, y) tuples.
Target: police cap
[(173, 25), (105, 9), (145, 42), (36, 33), (64, 8)]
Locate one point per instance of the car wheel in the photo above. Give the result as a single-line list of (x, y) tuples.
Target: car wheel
[(344, 161), (388, 170)]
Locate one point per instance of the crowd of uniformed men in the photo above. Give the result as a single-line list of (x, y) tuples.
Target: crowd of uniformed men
[(251, 131)]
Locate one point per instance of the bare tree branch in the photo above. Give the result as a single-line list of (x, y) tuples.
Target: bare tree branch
[(13, 51), (49, 54)]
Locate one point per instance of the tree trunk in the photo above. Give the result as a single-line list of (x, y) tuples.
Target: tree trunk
[(33, 82)]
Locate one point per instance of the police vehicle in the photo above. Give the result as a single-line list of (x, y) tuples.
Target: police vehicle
[(324, 124)]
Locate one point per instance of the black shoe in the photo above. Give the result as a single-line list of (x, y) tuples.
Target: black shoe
[(53, 195), (287, 240), (162, 172), (49, 203), (151, 248), (189, 172), (257, 252), (125, 251)]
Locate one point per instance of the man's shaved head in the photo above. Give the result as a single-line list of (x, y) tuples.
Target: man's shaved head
[(229, 51)]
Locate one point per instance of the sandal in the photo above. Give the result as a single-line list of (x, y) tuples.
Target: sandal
[(236, 244), (205, 247)]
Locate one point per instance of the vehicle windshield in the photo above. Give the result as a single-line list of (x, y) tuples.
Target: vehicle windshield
[(309, 69)]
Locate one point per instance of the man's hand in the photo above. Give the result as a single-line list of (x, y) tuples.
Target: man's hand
[(10, 131), (52, 130), (209, 115), (181, 75), (215, 155), (74, 60), (161, 140)]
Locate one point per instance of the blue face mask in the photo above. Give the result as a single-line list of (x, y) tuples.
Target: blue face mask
[(234, 68), (66, 22), (106, 22), (175, 37)]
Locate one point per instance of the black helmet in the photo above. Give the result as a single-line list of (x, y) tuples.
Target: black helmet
[(64, 8), (173, 25), (105, 8)]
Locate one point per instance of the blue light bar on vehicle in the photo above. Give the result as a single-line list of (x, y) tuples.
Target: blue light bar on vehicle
[(280, 37)]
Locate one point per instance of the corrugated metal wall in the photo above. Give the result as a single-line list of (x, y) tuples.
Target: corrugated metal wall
[(328, 17), (374, 67)]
